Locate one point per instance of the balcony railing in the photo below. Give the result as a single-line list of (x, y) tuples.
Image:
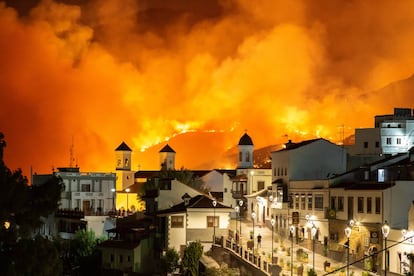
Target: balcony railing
[(238, 194)]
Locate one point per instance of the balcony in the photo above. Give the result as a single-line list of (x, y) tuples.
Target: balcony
[(238, 194)]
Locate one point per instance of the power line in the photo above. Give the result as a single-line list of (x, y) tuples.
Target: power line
[(371, 255)]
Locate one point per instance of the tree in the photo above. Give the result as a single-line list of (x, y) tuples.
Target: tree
[(169, 261), (21, 209), (192, 256), (37, 256), (184, 176), (84, 252)]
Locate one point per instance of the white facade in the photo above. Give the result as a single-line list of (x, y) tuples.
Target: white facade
[(257, 179), (391, 134), (315, 159), (217, 181), (172, 195), (195, 227), (88, 191)]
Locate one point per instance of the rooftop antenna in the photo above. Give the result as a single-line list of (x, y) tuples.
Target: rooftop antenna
[(342, 127), (71, 157)]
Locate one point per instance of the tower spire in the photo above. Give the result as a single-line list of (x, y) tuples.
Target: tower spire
[(71, 154)]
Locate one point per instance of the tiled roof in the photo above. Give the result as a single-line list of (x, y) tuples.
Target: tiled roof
[(119, 244), (199, 201), (146, 174), (372, 185), (123, 147), (291, 145)]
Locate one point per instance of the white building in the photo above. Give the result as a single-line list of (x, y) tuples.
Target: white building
[(365, 199), (195, 219), (391, 134), (87, 197), (300, 172)]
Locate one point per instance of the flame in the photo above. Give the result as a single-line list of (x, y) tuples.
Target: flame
[(146, 72)]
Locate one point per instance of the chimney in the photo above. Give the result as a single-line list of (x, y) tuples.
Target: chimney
[(289, 144)]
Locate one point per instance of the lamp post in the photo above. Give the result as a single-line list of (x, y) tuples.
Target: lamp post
[(385, 231), (237, 214), (348, 231), (214, 221), (292, 234), (253, 217), (313, 233), (127, 190), (113, 199), (272, 222), (240, 204)]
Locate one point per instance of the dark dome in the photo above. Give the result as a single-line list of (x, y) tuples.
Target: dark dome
[(167, 148), (245, 140)]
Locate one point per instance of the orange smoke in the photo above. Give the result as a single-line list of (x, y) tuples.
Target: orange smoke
[(145, 71)]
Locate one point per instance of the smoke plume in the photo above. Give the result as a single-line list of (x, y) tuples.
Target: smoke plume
[(101, 72)]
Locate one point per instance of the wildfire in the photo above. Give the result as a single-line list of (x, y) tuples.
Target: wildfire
[(146, 72)]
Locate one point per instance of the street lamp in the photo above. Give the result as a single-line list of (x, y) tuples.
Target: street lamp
[(272, 222), (292, 234), (348, 231), (385, 231), (253, 217), (127, 190), (313, 233), (214, 221), (113, 199), (240, 204), (237, 214)]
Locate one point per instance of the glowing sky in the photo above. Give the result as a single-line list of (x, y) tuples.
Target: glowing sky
[(140, 71)]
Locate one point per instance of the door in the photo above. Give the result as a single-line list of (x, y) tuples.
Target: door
[(86, 204), (350, 207)]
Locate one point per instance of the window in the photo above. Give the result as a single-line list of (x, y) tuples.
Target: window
[(212, 221), (126, 164), (377, 144), (260, 185), (240, 156), (86, 188), (247, 157), (369, 205), (340, 203), (291, 201), (177, 221), (112, 258), (360, 204), (121, 259), (297, 201), (377, 205), (274, 171), (365, 145), (388, 141), (310, 201), (129, 258), (381, 175), (333, 202), (118, 163), (398, 141), (318, 202), (303, 201)]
